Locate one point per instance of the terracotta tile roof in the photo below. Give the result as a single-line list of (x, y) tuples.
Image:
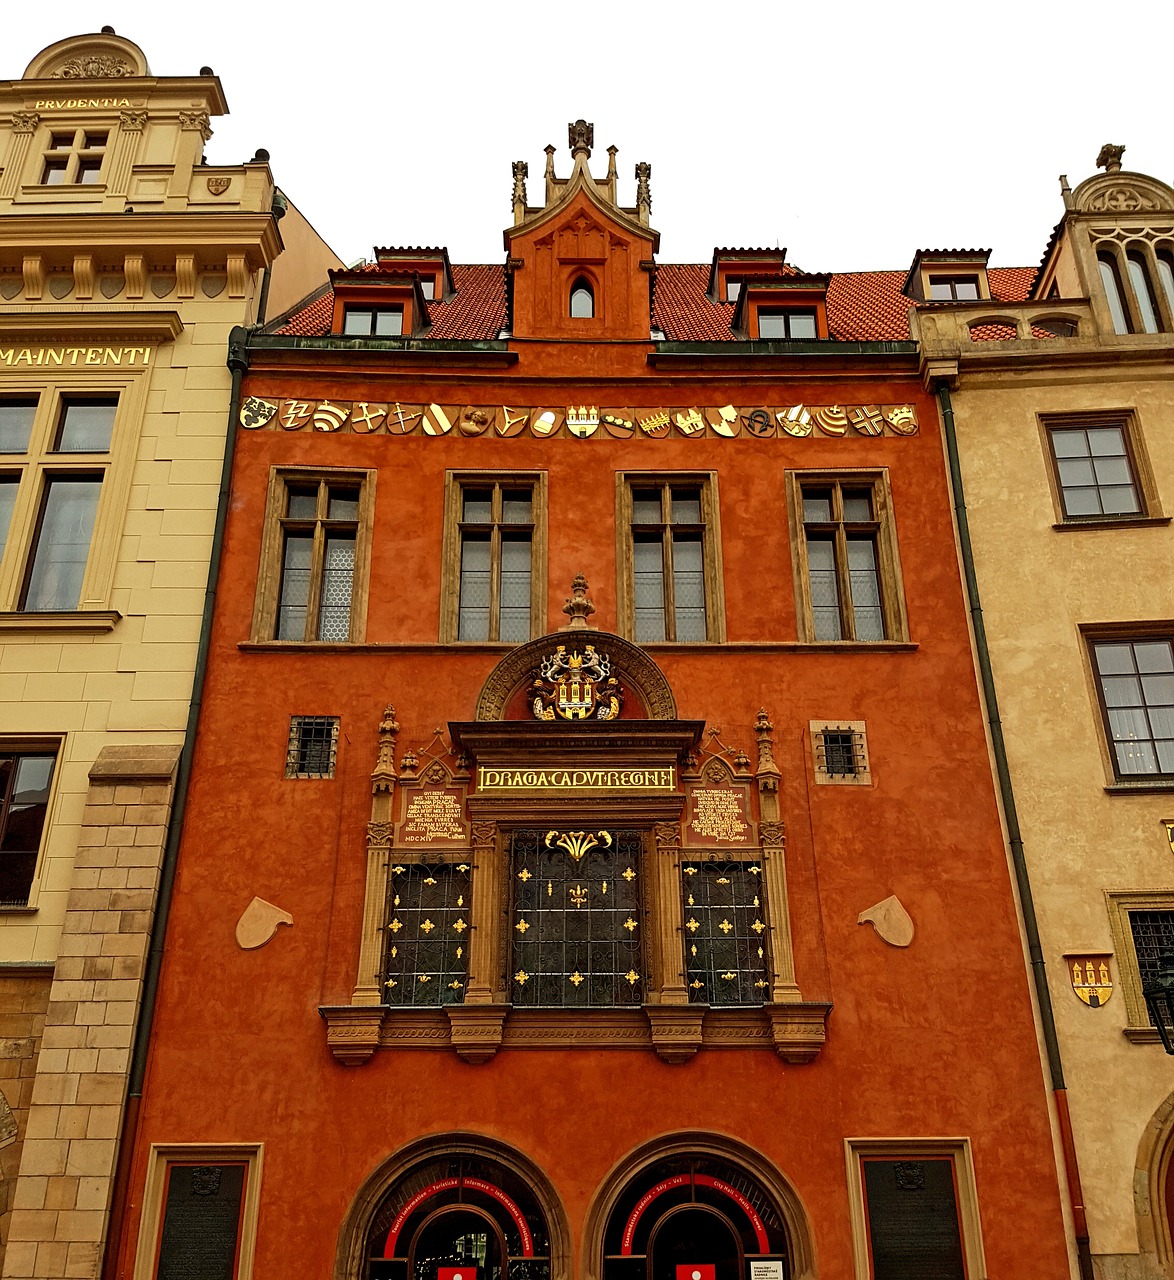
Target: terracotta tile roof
[(476, 311), (863, 306)]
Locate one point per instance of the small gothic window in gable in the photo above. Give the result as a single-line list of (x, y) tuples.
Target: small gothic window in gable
[(1111, 282), (582, 300)]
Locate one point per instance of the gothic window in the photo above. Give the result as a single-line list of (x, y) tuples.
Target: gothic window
[(428, 910), (725, 932), (1111, 283), (576, 921), (1143, 291), (582, 300)]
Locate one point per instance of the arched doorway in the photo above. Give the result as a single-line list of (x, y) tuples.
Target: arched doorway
[(453, 1210), (697, 1209)]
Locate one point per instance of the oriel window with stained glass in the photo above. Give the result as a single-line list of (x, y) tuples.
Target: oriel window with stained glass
[(428, 912), (725, 932), (576, 919)]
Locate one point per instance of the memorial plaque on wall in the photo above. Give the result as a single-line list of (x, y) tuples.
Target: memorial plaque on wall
[(201, 1222), (433, 818), (718, 817), (913, 1220)]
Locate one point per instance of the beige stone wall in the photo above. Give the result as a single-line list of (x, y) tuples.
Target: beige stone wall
[(1039, 584), (24, 998), (132, 683)]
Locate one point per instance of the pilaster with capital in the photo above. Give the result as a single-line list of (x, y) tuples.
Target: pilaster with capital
[(485, 958), (666, 882), (379, 831), (24, 125)]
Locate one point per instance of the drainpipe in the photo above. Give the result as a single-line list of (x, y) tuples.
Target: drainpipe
[(1015, 838), (238, 363)]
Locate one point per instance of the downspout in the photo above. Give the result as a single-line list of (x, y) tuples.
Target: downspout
[(238, 363), (1015, 838)]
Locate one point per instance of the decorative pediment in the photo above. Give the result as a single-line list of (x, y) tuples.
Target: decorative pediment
[(531, 679), (1123, 192), (103, 56)]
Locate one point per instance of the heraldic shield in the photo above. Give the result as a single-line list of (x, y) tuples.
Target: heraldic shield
[(1091, 979), (575, 683)]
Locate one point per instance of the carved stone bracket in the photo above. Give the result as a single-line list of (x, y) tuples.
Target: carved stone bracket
[(772, 834), (476, 1029), (352, 1031), (676, 1030), (667, 836), (798, 1030)]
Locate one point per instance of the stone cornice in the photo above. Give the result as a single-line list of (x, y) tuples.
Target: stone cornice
[(254, 234), (158, 325)]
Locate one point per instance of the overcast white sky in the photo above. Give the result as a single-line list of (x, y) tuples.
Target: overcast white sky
[(850, 133)]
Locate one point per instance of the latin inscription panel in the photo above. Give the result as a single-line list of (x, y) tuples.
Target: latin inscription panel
[(201, 1222)]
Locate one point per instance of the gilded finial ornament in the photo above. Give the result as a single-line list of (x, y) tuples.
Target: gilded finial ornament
[(578, 843)]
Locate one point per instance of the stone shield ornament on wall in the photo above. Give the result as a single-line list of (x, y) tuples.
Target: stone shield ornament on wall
[(258, 924)]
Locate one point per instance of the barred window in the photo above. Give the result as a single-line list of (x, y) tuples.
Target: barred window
[(840, 751), (576, 921), (725, 933), (1153, 935), (428, 910), (313, 746)]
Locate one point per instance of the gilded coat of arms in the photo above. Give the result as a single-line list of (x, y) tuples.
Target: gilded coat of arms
[(1091, 979), (576, 685)]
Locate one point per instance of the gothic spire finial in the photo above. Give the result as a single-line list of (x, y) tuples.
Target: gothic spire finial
[(580, 137)]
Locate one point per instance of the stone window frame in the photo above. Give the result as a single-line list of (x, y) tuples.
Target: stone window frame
[(455, 483), (1119, 903), (1144, 481), (164, 1155), (862, 777), (714, 576), (293, 747), (957, 1150), (41, 462), (75, 154), (267, 598), (892, 585), (37, 744)]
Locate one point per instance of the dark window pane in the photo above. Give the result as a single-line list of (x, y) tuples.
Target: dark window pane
[(478, 506), (429, 909), (342, 504), (817, 506), (86, 426), (8, 488), (16, 424), (61, 142), (24, 802), (63, 544), (54, 174), (295, 586), (313, 744), (686, 506), (516, 506), (725, 952), (89, 170), (94, 141), (303, 503)]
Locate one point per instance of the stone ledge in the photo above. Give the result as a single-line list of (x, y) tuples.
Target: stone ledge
[(120, 763)]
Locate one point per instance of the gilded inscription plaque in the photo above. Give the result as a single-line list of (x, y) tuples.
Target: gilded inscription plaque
[(432, 818), (717, 815)]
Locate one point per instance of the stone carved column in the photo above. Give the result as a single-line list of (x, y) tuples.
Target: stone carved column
[(24, 125), (379, 832), (675, 1023), (130, 137), (477, 1025)]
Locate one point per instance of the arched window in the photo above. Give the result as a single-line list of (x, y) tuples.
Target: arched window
[(703, 1214), (1111, 282), (1143, 289), (465, 1216), (582, 300), (1166, 276)]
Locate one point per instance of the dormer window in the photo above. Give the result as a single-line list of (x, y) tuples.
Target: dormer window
[(784, 323), (953, 289), (373, 322), (582, 300), (733, 289), (428, 288), (74, 158)]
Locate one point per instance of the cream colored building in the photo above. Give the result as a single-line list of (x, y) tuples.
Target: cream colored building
[(1064, 413), (125, 262)]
